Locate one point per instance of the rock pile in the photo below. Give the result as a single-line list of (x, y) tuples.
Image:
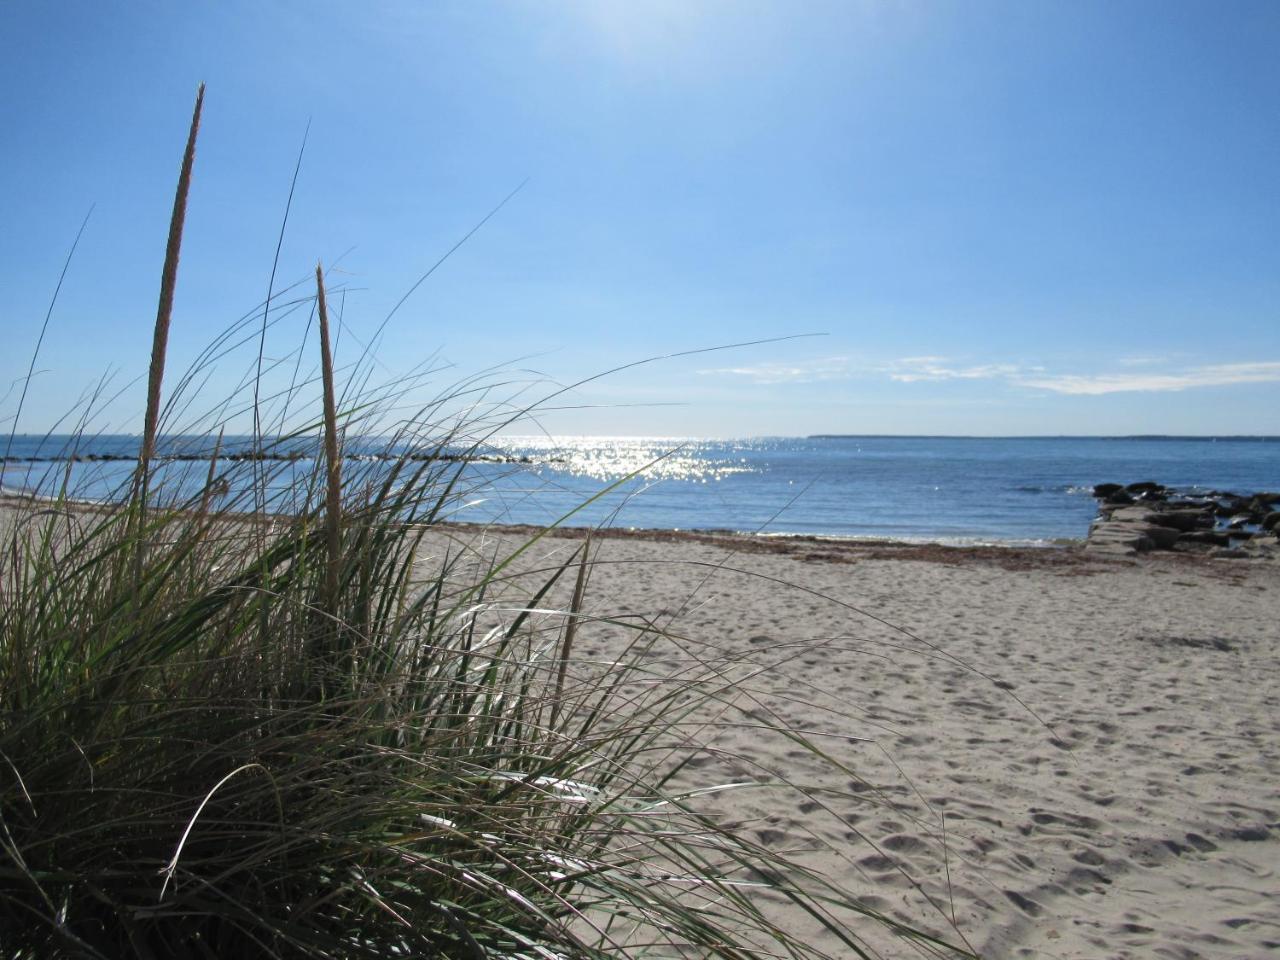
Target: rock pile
[(1149, 516), (281, 457)]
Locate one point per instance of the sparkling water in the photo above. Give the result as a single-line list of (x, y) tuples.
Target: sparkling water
[(947, 489)]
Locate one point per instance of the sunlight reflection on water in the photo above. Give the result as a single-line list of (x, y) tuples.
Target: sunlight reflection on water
[(607, 459)]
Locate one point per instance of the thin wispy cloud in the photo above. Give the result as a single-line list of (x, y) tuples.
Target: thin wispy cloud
[(916, 369), (1213, 375), (1136, 374), (801, 371), (1138, 377), (1141, 361)]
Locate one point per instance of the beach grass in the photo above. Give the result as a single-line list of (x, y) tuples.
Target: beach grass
[(245, 715)]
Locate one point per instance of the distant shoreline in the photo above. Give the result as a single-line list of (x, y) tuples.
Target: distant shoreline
[(1181, 438), (1206, 437)]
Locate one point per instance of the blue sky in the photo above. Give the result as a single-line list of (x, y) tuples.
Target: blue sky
[(1004, 218)]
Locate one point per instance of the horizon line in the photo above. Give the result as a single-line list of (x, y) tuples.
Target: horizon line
[(1254, 437)]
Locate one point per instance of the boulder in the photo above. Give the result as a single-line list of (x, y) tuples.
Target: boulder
[(1135, 514), (1163, 537), (1229, 505), (1211, 537), (1120, 497), (1124, 539), (1144, 487), (1104, 490), (1271, 521), (1187, 518)]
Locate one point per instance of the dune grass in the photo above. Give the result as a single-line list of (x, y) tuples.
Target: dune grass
[(229, 731)]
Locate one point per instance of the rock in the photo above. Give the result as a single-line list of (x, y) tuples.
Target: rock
[(1228, 505), (1139, 534), (1230, 553), (1149, 516), (1262, 548), (1187, 518), (1124, 539), (1135, 514), (1163, 537), (1118, 542), (1144, 486), (1211, 537)]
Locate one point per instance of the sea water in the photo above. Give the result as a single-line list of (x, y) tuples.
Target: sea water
[(944, 489)]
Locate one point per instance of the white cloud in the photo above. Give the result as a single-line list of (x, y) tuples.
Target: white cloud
[(1137, 374), (916, 369), (802, 371), (1141, 361), (1213, 375)]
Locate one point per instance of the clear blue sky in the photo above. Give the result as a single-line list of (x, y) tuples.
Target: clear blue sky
[(1006, 218)]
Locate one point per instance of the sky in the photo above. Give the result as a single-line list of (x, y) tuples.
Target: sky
[(1014, 218)]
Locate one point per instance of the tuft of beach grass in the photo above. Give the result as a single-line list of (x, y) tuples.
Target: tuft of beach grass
[(283, 731)]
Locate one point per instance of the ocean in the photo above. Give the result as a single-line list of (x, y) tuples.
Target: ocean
[(1022, 490)]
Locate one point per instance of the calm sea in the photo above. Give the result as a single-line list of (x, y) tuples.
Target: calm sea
[(912, 488)]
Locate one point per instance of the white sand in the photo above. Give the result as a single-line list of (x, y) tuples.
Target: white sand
[(1128, 806)]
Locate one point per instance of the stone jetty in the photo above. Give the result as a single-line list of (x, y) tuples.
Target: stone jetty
[(1140, 517), (279, 456)]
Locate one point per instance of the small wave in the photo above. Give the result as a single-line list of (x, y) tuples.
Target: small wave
[(1055, 488)]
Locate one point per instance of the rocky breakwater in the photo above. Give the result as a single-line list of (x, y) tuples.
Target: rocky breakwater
[(1148, 516)]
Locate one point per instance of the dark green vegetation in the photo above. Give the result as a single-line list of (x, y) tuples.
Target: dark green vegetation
[(238, 723)]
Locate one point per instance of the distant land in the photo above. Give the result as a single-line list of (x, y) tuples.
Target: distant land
[(1241, 438)]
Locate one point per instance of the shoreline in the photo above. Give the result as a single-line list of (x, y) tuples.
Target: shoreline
[(11, 495), (805, 547)]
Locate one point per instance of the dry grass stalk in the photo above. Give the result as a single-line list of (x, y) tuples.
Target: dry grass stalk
[(571, 628), (168, 281), (333, 487), (206, 495)]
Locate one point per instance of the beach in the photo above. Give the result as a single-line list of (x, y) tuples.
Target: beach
[(1067, 755), (1027, 752), (671, 481)]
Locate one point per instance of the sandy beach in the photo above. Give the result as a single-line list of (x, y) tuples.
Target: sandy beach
[(1070, 756), (909, 372)]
